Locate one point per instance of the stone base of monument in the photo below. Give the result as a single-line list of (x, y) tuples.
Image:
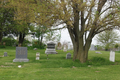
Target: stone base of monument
[(50, 51), (20, 60)]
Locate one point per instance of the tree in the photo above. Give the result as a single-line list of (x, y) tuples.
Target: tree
[(22, 30), (40, 32), (108, 39), (29, 12), (6, 19), (83, 18), (53, 36)]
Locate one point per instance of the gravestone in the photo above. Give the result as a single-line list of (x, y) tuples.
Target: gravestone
[(5, 54), (68, 56), (35, 49), (37, 56), (21, 54), (65, 48), (98, 52), (59, 46), (112, 56), (50, 48)]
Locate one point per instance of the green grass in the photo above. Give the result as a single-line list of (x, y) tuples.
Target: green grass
[(56, 67)]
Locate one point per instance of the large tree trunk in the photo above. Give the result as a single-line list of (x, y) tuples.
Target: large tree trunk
[(21, 38), (81, 50), (81, 45), (83, 27)]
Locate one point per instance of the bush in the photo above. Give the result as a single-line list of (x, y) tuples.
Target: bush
[(8, 41), (2, 46), (36, 45), (99, 47), (26, 42)]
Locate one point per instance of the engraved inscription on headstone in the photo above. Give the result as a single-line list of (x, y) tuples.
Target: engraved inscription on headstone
[(21, 54)]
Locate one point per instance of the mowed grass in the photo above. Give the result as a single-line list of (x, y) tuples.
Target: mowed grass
[(57, 67)]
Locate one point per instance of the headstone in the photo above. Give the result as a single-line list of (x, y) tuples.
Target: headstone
[(21, 54), (29, 44), (65, 48), (68, 56), (37, 56), (98, 52), (112, 56), (59, 46), (5, 54), (50, 48), (35, 49)]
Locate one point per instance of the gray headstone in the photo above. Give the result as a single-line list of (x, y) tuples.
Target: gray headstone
[(21, 54), (35, 49), (98, 52), (5, 54), (50, 48), (68, 56)]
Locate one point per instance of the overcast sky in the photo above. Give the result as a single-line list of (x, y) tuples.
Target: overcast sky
[(65, 37)]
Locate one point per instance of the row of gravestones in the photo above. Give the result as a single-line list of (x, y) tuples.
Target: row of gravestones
[(21, 55)]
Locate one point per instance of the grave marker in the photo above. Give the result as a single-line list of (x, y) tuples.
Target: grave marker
[(50, 48), (37, 56), (68, 56), (21, 54), (112, 56), (5, 54)]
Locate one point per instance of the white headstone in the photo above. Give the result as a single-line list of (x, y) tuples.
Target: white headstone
[(112, 56), (37, 56), (65, 48)]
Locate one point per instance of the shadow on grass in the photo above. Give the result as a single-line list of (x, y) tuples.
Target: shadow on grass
[(95, 61), (68, 63), (99, 61)]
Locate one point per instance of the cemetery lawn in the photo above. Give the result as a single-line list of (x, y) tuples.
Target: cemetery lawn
[(56, 67)]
